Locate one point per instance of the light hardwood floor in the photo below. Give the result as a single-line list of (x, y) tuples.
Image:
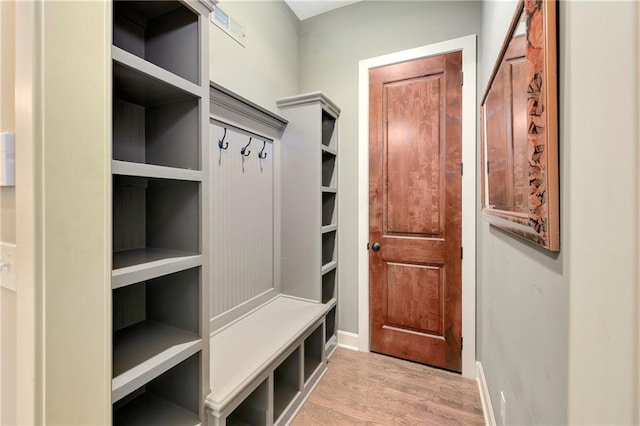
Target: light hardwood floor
[(368, 388)]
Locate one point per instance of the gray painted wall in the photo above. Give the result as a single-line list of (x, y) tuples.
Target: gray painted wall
[(268, 67), (556, 333), (599, 135), (522, 296), (331, 46)]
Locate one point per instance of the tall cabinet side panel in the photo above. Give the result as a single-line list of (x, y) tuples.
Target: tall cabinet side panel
[(301, 201), (205, 279), (75, 193)]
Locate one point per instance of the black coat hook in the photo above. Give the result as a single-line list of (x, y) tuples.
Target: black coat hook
[(221, 143), (244, 150), (263, 154)]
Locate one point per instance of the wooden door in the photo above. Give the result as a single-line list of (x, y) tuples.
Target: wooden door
[(415, 189)]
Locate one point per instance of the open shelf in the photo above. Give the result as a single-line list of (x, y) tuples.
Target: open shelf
[(328, 247), (329, 175), (171, 299), (170, 399), (329, 150), (145, 350), (154, 219), (149, 409), (253, 409), (164, 33), (128, 258), (154, 122), (330, 324), (328, 267), (329, 286), (286, 383), (328, 130), (329, 228), (126, 168), (313, 349), (133, 266), (155, 326), (328, 208)]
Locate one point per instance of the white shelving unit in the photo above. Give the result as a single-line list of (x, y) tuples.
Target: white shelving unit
[(160, 110), (310, 203)]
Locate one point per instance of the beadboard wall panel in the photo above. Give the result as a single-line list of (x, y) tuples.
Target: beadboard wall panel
[(243, 219)]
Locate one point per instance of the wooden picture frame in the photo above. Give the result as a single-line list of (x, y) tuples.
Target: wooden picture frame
[(519, 129)]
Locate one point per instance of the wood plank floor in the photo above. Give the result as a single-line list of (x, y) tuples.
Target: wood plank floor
[(367, 388)]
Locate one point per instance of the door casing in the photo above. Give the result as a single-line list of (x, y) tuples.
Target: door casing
[(467, 45)]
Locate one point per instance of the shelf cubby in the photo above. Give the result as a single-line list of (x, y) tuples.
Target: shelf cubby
[(328, 247), (164, 33), (155, 326), (330, 324), (253, 409), (154, 219), (329, 208), (328, 129), (329, 175), (313, 350), (154, 122), (172, 398), (286, 383), (329, 286)]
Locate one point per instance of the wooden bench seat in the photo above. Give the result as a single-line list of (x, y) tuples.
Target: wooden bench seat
[(245, 355)]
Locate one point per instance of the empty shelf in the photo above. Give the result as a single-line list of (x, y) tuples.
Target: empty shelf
[(146, 350), (283, 396), (133, 266), (151, 410), (127, 168), (329, 228), (329, 150), (329, 267), (153, 71), (329, 189), (313, 350)]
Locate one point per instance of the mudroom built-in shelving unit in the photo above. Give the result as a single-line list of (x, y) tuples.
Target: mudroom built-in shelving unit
[(267, 345), (310, 203), (160, 109)]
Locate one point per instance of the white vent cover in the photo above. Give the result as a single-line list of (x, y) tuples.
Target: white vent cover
[(229, 25)]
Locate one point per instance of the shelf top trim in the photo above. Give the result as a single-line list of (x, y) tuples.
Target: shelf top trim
[(209, 4), (227, 101), (310, 98)]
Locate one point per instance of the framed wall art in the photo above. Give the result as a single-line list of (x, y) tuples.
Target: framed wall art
[(519, 129)]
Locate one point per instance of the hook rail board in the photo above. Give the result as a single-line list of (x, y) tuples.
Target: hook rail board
[(245, 197)]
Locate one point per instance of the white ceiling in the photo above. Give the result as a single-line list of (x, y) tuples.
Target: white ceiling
[(305, 9)]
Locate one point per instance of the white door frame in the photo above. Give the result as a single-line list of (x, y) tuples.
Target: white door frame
[(467, 45)]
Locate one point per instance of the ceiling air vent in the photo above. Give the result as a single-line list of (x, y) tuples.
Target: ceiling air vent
[(229, 25)]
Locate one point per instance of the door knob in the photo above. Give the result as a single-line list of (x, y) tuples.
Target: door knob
[(375, 246)]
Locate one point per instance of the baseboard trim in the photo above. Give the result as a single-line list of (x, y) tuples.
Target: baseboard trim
[(348, 340), (485, 398)]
